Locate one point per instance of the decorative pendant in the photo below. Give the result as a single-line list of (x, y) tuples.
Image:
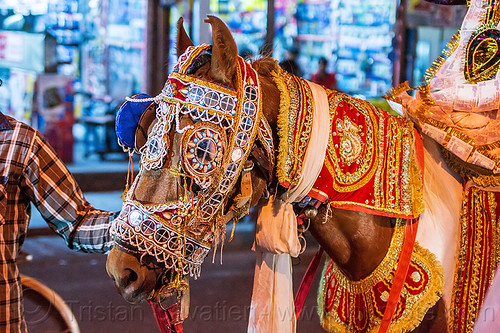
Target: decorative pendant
[(203, 148), (483, 55)]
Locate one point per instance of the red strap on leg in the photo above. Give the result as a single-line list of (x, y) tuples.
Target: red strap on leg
[(305, 285), (400, 275), (166, 319)]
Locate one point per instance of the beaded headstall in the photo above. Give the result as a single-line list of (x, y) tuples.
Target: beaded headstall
[(214, 149)]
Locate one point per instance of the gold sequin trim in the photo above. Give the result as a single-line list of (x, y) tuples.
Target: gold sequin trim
[(294, 125)]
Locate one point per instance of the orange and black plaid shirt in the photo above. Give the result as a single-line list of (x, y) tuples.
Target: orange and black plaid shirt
[(30, 171)]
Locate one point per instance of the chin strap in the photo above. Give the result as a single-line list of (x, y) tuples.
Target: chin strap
[(170, 319)]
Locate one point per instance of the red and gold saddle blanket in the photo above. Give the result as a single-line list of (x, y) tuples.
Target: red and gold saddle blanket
[(358, 306), (373, 162)]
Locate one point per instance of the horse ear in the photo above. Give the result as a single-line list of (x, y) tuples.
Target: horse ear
[(224, 51), (183, 40)]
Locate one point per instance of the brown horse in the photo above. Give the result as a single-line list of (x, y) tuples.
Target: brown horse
[(357, 240)]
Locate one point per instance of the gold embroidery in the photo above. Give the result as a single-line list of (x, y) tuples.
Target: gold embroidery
[(481, 56), (294, 125), (368, 150), (357, 306), (351, 145), (282, 126), (478, 257), (366, 164)]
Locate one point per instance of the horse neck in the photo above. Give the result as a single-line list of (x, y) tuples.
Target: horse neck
[(357, 242), (270, 102)]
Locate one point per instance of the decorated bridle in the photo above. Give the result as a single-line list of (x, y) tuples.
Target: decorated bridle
[(215, 146)]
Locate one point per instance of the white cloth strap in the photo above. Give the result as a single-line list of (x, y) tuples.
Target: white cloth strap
[(272, 309), (276, 230), (316, 150)]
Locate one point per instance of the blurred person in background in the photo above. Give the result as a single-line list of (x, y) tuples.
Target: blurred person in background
[(322, 77), (290, 64)]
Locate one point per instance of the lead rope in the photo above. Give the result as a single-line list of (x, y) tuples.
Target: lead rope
[(305, 284)]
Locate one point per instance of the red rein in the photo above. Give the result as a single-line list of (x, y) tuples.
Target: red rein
[(165, 318)]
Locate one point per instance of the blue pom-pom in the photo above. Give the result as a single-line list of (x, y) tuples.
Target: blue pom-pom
[(128, 117)]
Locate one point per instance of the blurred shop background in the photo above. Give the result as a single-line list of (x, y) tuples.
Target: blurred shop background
[(67, 65)]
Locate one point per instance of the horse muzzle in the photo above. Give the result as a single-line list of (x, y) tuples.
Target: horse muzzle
[(134, 281)]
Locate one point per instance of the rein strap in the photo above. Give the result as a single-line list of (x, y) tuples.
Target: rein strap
[(400, 275), (305, 284), (165, 318)]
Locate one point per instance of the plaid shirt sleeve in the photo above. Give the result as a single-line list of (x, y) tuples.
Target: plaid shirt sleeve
[(59, 199)]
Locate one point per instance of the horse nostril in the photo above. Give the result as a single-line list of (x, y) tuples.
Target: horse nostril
[(130, 277)]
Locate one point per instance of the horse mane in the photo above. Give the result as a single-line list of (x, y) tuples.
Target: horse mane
[(265, 66)]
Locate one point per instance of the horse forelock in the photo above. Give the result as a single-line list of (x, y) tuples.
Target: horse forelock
[(199, 62)]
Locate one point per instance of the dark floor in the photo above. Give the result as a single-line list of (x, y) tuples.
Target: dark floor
[(220, 298)]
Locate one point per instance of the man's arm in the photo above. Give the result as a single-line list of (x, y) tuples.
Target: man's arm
[(59, 199)]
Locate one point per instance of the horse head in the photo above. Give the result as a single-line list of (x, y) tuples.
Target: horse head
[(206, 157)]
